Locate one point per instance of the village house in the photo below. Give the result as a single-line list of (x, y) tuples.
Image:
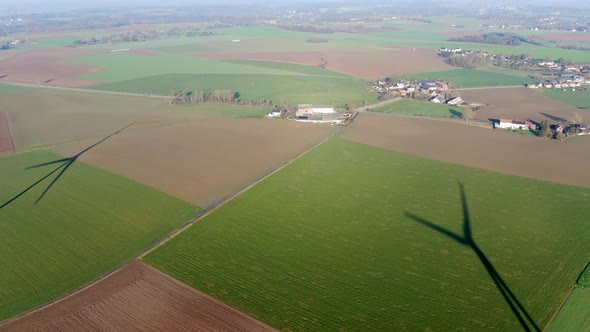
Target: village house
[(455, 101), (275, 113)]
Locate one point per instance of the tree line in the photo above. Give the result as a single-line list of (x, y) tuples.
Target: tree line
[(218, 96), (139, 36)]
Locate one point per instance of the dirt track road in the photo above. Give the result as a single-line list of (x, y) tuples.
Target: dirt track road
[(42, 86)]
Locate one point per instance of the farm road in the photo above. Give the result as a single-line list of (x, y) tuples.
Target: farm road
[(200, 216), (29, 85), (383, 103)]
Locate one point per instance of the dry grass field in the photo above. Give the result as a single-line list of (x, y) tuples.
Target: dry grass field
[(520, 104), (203, 161), (364, 64), (6, 144), (494, 150), (49, 66), (40, 117), (138, 297)]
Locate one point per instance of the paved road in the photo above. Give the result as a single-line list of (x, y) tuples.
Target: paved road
[(28, 85)]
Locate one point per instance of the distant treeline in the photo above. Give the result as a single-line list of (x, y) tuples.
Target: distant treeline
[(143, 35), (317, 40), (496, 38), (305, 28), (472, 60), (219, 96), (574, 47)]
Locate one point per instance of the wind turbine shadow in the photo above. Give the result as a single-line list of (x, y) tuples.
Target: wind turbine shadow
[(64, 164), (523, 317)]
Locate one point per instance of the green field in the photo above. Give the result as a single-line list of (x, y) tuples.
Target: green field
[(578, 98), (119, 66), (584, 279), (326, 244), (471, 78), (414, 107), (575, 314), (87, 224), (281, 89)]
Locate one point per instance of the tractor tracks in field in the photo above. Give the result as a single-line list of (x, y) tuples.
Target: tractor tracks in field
[(158, 243)]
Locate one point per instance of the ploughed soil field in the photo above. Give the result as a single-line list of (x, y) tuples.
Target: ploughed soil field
[(40, 117), (566, 36), (495, 150), (206, 160), (363, 64), (6, 145), (32, 67), (520, 104), (139, 298)]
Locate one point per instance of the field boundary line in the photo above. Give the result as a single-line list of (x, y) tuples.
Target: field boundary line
[(201, 215), (158, 243), (550, 322), (64, 88)]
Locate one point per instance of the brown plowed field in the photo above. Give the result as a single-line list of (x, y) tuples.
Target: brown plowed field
[(48, 66), (495, 150), (520, 104), (566, 36), (137, 298), (205, 161), (6, 145), (363, 64), (40, 117)]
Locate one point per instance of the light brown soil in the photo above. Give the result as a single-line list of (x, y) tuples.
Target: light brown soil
[(364, 64), (520, 104), (204, 161), (566, 36), (143, 52), (40, 117), (137, 298), (495, 150), (48, 66), (6, 145)]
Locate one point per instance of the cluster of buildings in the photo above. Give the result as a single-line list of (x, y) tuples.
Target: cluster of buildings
[(572, 81), (555, 131), (434, 91), (8, 44), (405, 88)]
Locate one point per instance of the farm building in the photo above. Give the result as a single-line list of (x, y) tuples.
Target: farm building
[(513, 124), (319, 114), (275, 113), (307, 110), (455, 101)]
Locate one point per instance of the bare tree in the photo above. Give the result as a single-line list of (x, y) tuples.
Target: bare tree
[(468, 114), (574, 118)]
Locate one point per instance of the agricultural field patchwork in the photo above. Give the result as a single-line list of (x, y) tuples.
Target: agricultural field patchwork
[(471, 78), (476, 146), (413, 107), (521, 104), (574, 316), (334, 240), (70, 228), (578, 98), (287, 89)]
